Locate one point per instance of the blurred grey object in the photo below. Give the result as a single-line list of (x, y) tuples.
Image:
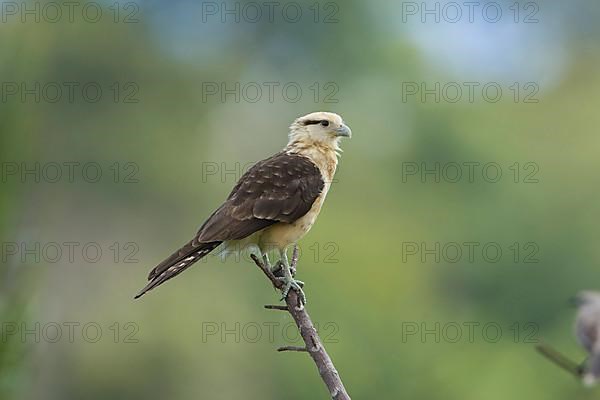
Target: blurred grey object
[(587, 329)]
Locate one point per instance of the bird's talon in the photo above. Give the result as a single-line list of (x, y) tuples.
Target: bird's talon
[(297, 286)]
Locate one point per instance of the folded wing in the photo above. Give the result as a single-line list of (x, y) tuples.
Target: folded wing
[(281, 188)]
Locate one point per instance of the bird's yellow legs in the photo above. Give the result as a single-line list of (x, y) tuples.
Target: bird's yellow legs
[(283, 267), (288, 279)]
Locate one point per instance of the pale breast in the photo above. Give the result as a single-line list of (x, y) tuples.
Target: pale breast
[(282, 235)]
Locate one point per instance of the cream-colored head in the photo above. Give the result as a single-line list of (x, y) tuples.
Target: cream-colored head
[(323, 129)]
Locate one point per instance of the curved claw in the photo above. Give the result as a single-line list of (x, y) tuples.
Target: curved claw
[(297, 286)]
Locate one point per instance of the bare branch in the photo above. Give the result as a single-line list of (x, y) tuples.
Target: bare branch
[(314, 345), (560, 360)]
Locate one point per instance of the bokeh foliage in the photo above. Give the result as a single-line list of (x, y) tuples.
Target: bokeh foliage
[(369, 292)]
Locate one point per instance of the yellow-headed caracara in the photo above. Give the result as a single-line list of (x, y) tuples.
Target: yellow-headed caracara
[(273, 205)]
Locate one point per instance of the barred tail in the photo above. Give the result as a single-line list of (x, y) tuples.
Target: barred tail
[(177, 263)]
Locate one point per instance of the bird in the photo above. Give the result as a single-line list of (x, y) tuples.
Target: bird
[(272, 206), (587, 331)]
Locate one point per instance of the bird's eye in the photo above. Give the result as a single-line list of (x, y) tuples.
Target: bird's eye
[(325, 123)]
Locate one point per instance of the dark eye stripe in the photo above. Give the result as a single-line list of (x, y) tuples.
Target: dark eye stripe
[(312, 122), (323, 122)]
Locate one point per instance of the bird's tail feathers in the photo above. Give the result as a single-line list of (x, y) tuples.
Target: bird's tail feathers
[(177, 263)]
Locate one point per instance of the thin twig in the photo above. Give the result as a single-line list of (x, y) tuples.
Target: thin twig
[(274, 307), (314, 345), (560, 360), (292, 348)]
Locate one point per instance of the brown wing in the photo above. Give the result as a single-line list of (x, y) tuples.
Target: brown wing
[(279, 189)]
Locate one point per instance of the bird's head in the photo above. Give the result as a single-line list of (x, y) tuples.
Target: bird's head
[(319, 128), (584, 298)]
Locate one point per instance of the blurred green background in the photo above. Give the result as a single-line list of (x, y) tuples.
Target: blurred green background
[(166, 147)]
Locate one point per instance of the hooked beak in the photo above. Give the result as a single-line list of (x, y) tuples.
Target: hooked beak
[(344, 131)]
